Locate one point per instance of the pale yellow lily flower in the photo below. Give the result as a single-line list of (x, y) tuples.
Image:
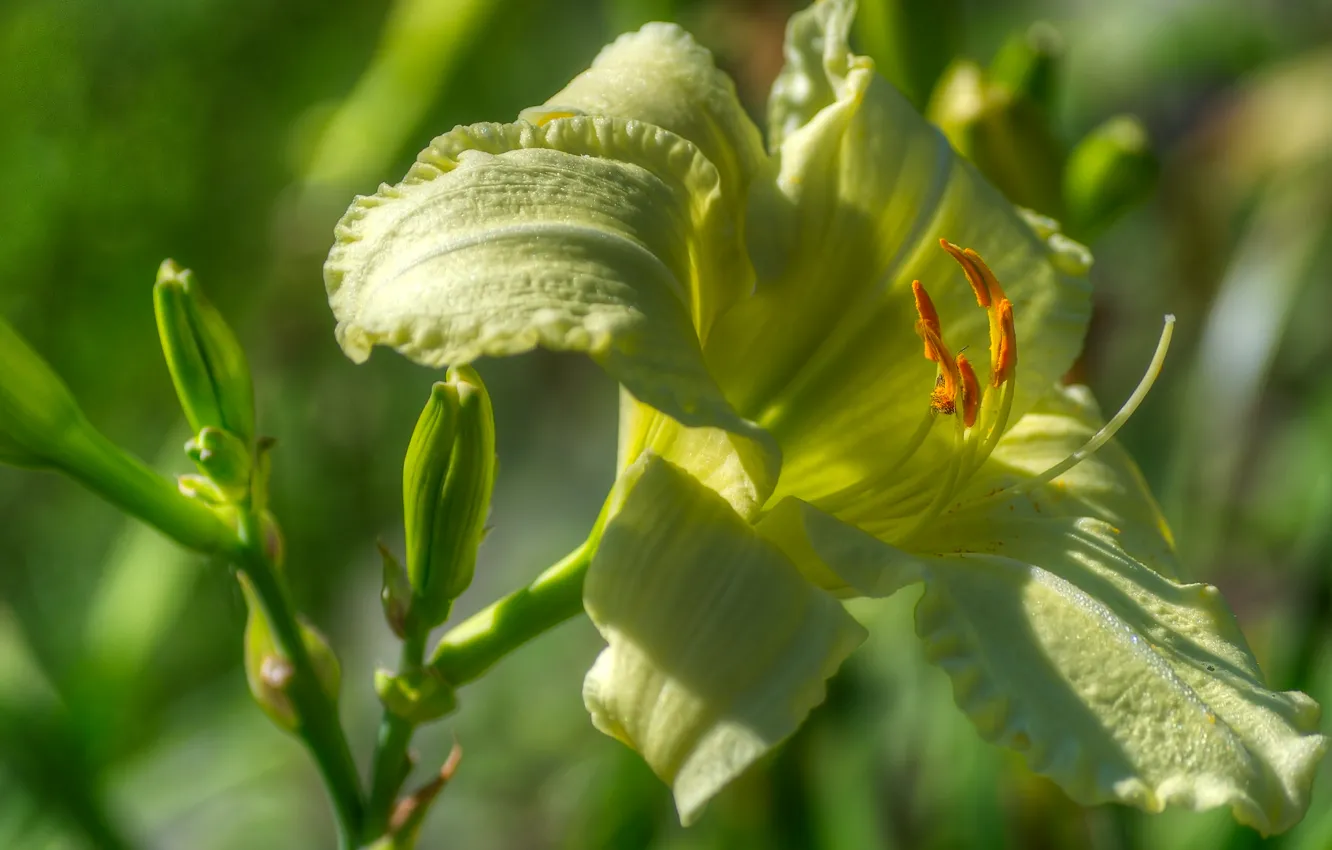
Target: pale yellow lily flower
[(786, 440)]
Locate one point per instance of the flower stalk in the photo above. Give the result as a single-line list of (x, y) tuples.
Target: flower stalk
[(318, 725)]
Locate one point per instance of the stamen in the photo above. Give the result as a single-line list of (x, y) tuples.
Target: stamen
[(991, 282), (943, 398), (928, 327), (1103, 436), (1004, 348), (969, 268), (970, 391)]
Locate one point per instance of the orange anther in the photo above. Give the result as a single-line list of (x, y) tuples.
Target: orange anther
[(1005, 350), (970, 391), (967, 260), (943, 398), (928, 327), (991, 282)]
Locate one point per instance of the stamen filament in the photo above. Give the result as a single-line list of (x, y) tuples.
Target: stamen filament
[(996, 432), (1103, 436), (844, 499), (945, 494)]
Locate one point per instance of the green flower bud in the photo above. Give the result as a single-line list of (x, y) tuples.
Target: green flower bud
[(1111, 170), (269, 671), (206, 362), (418, 697), (38, 416), (396, 594), (222, 458), (1004, 133), (1028, 65), (447, 479)]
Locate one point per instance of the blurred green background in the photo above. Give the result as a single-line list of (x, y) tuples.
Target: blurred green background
[(230, 136)]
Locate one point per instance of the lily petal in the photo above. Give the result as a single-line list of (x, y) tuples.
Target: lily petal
[(1107, 486), (865, 191), (599, 235), (742, 471), (1119, 683), (837, 556), (659, 75), (718, 648)]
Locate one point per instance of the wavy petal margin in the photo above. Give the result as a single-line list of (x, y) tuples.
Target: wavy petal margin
[(1052, 611), (718, 647), (659, 75), (1116, 682), (599, 235)]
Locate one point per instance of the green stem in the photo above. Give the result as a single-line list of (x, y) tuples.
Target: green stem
[(126, 482), (319, 726), (474, 645), (395, 735)]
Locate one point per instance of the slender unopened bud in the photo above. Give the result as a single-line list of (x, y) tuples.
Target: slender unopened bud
[(447, 479), (420, 697), (1110, 170), (38, 415), (207, 365), (268, 669), (1028, 65), (1003, 132), (223, 458)]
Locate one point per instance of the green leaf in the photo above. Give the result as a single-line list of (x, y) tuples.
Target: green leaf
[(718, 648), (38, 415)]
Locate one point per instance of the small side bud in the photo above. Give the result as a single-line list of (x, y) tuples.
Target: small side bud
[(1111, 170), (206, 362), (38, 415), (223, 458), (269, 671), (396, 594), (448, 476), (203, 488), (418, 697)]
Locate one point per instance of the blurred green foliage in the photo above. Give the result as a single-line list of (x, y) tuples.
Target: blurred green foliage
[(231, 136)]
